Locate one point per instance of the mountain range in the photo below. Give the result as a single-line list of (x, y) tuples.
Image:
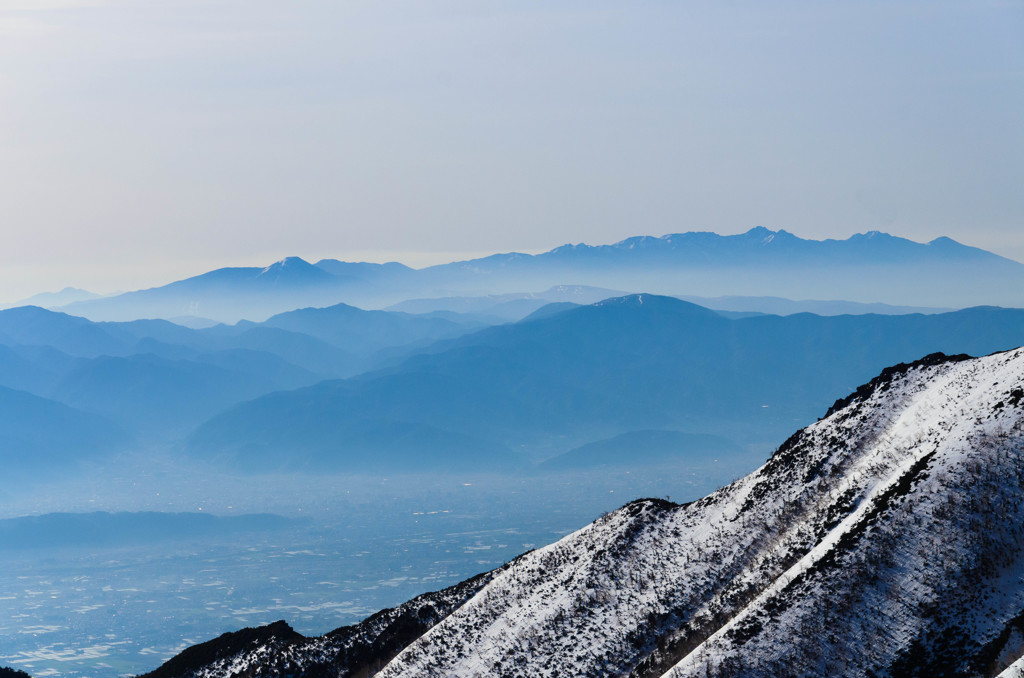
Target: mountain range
[(528, 391), (68, 295), (343, 389), (108, 382), (513, 306), (885, 539), (871, 267), (882, 539)]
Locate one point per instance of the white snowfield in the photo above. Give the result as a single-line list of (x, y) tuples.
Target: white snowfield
[(885, 538), (1014, 670)]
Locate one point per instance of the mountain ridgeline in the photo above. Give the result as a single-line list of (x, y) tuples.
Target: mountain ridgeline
[(885, 539), (513, 394), (107, 383), (347, 390), (868, 267)]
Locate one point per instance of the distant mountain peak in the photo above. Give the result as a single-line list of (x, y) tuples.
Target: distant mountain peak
[(569, 247), (879, 236), (291, 263), (651, 302), (765, 235), (293, 270), (641, 241), (946, 244), (758, 235), (67, 295), (627, 300), (760, 232)]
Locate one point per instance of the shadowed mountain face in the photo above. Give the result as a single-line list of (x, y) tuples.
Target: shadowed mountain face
[(593, 372), (869, 267), (885, 539)]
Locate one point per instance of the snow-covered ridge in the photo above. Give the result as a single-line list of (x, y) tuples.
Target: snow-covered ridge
[(887, 538), (277, 650), (744, 581)]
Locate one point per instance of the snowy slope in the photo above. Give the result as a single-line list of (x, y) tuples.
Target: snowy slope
[(891, 529), (276, 650), (887, 539)]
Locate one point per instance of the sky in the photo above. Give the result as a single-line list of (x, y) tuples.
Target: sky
[(143, 142)]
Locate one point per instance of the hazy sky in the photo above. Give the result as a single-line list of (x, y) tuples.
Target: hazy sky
[(144, 141)]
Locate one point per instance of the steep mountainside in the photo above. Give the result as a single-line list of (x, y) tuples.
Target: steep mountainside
[(887, 539), (349, 652)]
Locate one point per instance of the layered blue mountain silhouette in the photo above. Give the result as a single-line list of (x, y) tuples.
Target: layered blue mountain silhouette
[(542, 387), (508, 307), (362, 331), (494, 309), (456, 385), (231, 294), (345, 389), (68, 295), (870, 267), (38, 433), (158, 380), (471, 370)]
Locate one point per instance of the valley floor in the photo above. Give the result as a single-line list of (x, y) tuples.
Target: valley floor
[(370, 543)]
